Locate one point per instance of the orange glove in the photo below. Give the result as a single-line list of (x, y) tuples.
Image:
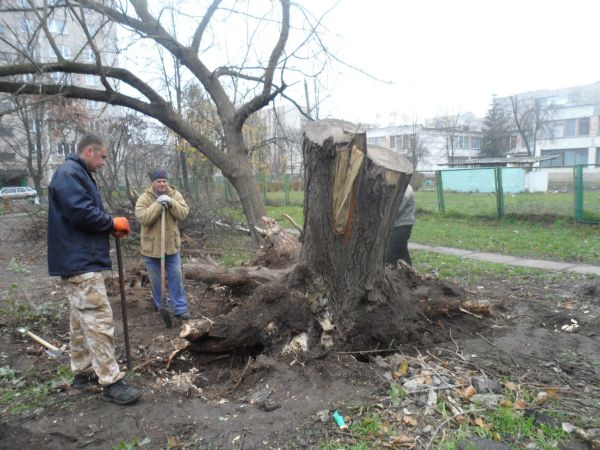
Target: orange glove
[(121, 227)]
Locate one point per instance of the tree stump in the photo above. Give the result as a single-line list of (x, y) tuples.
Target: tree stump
[(340, 292), (352, 192)]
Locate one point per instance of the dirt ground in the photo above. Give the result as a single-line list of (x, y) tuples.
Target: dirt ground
[(541, 334)]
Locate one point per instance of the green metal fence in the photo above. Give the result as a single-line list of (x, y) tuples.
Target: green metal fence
[(499, 192), (284, 190), (484, 192)]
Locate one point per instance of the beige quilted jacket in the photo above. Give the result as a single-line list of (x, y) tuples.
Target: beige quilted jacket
[(148, 211)]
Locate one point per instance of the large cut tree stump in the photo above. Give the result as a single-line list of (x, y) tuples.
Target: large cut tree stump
[(352, 192), (340, 291)]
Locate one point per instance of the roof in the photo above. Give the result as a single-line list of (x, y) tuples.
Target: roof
[(514, 161)]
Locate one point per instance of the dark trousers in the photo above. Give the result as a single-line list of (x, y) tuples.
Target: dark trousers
[(398, 245)]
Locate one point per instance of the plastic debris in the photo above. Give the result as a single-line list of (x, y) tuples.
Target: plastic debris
[(339, 420)]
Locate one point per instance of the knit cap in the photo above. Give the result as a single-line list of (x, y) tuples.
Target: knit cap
[(158, 173)]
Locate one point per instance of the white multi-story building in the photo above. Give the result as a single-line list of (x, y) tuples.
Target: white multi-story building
[(35, 126), (437, 143), (569, 125)]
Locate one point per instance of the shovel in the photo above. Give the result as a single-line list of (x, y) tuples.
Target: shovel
[(50, 350), (123, 301), (164, 312)]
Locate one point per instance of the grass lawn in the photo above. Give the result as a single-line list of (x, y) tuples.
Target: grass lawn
[(470, 271), (555, 204), (560, 240)]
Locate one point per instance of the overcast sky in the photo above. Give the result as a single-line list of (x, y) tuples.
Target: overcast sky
[(452, 55)]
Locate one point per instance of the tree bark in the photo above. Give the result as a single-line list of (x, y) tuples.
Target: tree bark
[(349, 256)]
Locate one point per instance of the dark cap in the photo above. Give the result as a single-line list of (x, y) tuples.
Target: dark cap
[(158, 173)]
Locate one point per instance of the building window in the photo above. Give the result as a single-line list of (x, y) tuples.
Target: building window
[(7, 156), (93, 104), (58, 26), (64, 50), (567, 128), (88, 55), (406, 141), (6, 131), (60, 77), (570, 127), (380, 140), (475, 143), (513, 141), (597, 156), (584, 126), (566, 157), (27, 25), (92, 80), (462, 142)]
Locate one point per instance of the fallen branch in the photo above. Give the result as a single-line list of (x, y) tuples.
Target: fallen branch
[(291, 220)]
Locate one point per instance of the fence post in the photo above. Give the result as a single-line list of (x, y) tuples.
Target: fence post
[(578, 192), (286, 189), (439, 186), (499, 192)]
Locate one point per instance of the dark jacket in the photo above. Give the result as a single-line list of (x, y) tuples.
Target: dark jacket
[(78, 225)]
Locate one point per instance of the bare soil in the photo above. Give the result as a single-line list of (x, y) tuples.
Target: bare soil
[(543, 334)]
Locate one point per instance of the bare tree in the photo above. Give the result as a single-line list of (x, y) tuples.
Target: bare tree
[(529, 116), (28, 126), (123, 133), (448, 126), (417, 149), (236, 90)]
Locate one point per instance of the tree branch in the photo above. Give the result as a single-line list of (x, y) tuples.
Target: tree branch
[(203, 24)]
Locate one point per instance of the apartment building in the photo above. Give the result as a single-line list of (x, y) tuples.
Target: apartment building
[(36, 133)]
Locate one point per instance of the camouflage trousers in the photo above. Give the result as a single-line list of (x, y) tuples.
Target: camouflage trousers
[(92, 328)]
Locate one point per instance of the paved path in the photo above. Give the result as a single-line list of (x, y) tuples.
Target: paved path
[(510, 260)]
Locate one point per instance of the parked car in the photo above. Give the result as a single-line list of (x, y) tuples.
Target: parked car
[(15, 192)]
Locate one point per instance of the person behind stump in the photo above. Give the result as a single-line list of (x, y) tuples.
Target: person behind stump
[(402, 228), (78, 251), (148, 209)]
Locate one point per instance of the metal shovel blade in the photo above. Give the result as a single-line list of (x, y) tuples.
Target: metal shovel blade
[(166, 317)]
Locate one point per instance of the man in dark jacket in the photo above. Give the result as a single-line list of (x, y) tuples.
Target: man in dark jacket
[(78, 251)]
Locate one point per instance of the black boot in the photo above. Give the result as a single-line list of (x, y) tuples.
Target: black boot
[(83, 381), (120, 393)]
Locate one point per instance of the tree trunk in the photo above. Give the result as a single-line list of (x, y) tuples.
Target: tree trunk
[(347, 248), (246, 187)]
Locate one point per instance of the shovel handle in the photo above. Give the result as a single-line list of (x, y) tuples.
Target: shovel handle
[(39, 340), (162, 257), (123, 301)]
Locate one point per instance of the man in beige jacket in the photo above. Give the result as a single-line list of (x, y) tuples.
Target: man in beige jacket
[(148, 209)]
